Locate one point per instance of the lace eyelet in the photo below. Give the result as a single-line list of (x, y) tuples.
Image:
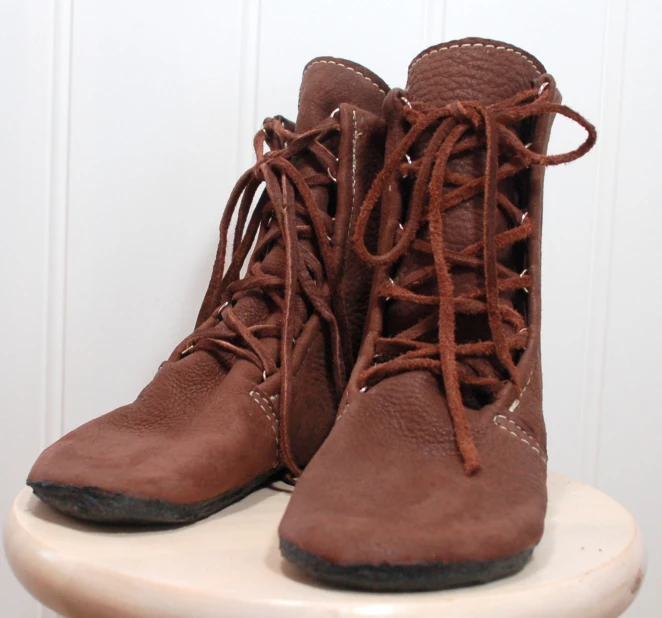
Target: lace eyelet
[(405, 101), (331, 176), (335, 112), (363, 389), (408, 158), (220, 310), (187, 350)]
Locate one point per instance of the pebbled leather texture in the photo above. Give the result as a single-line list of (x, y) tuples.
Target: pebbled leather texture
[(388, 486), (199, 430), (471, 69)]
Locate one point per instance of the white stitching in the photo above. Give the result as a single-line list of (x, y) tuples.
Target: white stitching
[(273, 420), (355, 141), (342, 411), (497, 48), (516, 402), (340, 64), (533, 445)]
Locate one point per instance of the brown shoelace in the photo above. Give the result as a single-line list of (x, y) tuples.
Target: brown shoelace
[(285, 213), (430, 344)]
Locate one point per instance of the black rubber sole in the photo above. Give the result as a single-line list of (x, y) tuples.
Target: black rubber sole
[(104, 507), (403, 577)]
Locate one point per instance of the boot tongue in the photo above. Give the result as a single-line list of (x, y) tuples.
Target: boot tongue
[(327, 82), (471, 70)]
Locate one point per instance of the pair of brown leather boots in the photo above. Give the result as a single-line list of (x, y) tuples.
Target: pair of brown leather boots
[(378, 324)]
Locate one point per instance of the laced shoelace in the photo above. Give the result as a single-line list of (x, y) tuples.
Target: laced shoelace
[(456, 129), (285, 213)]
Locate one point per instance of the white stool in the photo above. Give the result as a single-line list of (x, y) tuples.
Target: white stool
[(590, 564)]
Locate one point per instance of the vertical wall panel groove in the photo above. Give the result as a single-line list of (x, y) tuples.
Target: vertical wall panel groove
[(153, 155), (248, 82), (604, 206), (249, 62), (628, 465), (26, 59), (55, 309), (433, 22), (56, 268)]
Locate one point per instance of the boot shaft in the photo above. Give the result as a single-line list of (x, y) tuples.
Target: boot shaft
[(457, 287), (317, 290)]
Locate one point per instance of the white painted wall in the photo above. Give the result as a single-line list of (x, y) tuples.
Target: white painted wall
[(123, 126)]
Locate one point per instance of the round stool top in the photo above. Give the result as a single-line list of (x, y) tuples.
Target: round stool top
[(590, 563)]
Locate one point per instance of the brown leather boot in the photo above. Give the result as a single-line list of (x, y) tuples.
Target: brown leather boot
[(434, 474), (255, 389)]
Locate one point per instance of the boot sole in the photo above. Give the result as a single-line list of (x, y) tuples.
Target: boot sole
[(403, 577), (104, 507)]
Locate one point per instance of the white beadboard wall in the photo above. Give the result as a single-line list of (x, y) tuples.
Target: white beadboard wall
[(123, 126)]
